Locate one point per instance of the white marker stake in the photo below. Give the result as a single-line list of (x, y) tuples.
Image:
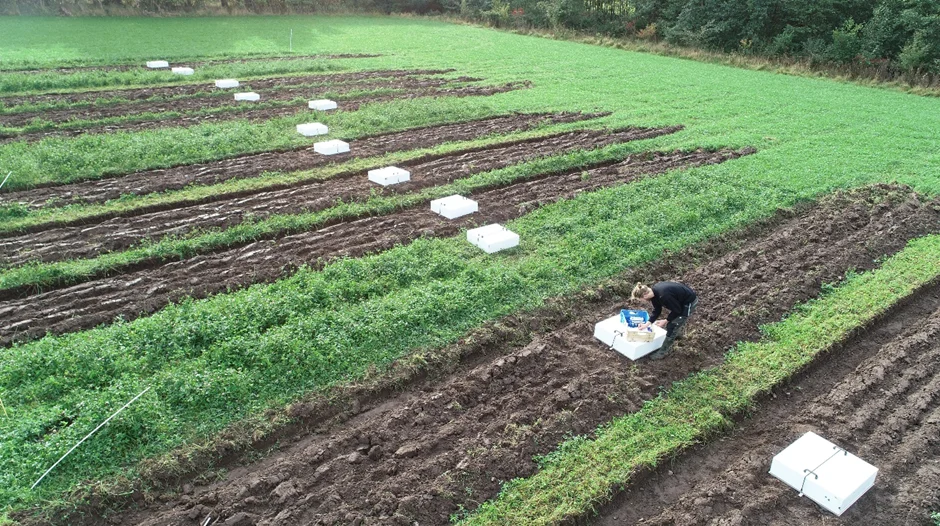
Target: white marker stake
[(4, 407), (88, 435), (291, 49), (5, 179)]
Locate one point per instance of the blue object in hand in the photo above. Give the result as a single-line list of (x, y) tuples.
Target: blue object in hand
[(634, 318)]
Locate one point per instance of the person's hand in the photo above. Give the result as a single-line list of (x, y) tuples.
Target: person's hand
[(662, 323), (643, 326)]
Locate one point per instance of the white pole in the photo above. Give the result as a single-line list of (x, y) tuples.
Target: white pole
[(5, 179), (88, 435), (291, 41), (4, 407)]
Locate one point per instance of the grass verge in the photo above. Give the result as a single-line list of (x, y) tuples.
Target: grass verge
[(583, 473)]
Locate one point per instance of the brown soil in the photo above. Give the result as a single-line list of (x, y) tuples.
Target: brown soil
[(302, 158), (144, 291), (128, 67), (447, 443), (86, 241), (168, 92), (877, 395), (242, 110), (154, 110)]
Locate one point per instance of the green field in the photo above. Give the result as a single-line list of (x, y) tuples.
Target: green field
[(215, 362)]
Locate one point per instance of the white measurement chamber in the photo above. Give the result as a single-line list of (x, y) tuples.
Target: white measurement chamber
[(183, 71), (331, 147), (493, 238), (322, 105), (454, 206), (312, 129), (226, 83), (389, 175), (626, 340), (247, 95), (829, 475), (157, 64)]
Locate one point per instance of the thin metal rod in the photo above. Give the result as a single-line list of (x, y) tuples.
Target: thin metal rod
[(3, 407), (5, 179), (88, 435)]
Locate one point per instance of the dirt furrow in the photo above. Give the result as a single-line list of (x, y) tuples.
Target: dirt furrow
[(134, 293), (129, 67), (726, 481), (447, 444), (166, 92), (352, 104), (156, 110), (303, 158), (120, 233)]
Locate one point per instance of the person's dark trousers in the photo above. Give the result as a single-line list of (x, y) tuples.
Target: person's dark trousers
[(674, 330)]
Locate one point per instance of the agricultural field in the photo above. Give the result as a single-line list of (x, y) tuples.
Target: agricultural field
[(314, 348)]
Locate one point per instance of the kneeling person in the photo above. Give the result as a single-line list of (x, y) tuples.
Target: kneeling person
[(681, 302)]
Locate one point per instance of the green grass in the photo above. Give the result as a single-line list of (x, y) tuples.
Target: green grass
[(42, 275), (582, 474), (221, 360)]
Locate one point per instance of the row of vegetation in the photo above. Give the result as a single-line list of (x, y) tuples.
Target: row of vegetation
[(582, 473), (43, 275)]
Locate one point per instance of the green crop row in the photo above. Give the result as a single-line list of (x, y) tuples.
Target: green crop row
[(582, 474), (42, 275), (15, 217)]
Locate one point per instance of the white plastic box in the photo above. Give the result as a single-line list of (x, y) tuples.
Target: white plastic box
[(389, 175), (156, 64), (454, 206), (322, 105), (183, 71), (493, 238), (226, 83), (331, 147), (247, 95), (827, 474), (311, 129), (614, 334)]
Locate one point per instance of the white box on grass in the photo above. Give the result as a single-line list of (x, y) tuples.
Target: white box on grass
[(331, 147), (311, 129), (614, 333), (829, 475), (322, 105), (454, 206), (247, 95), (226, 83), (389, 175), (493, 238), (183, 71), (156, 64)]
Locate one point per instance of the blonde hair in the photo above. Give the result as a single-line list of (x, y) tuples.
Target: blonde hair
[(640, 291)]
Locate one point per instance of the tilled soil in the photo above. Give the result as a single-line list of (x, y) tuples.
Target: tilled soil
[(167, 92), (153, 110), (144, 291), (303, 158), (878, 396), (128, 67), (86, 241), (447, 444), (239, 111)]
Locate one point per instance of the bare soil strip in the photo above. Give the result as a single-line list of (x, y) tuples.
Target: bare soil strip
[(168, 92), (243, 111), (878, 396), (144, 291), (303, 158), (446, 443), (128, 67), (152, 109), (86, 241)]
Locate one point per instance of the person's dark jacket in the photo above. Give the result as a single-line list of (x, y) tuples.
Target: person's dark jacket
[(674, 296)]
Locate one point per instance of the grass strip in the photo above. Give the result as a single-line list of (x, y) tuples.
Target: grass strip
[(89, 157), (42, 275), (227, 358), (581, 474), (17, 218)]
